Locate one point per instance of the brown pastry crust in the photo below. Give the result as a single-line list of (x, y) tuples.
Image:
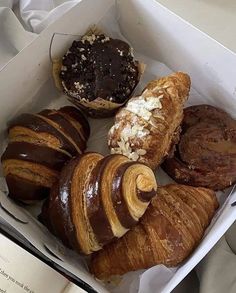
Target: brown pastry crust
[(206, 154), (168, 232), (39, 145), (98, 74), (97, 200), (148, 126)]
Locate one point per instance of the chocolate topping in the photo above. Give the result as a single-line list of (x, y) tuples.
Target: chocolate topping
[(89, 196), (66, 126), (37, 124), (95, 209), (38, 154), (60, 212), (47, 139), (77, 115), (24, 190), (118, 200), (56, 211), (56, 219), (99, 67), (146, 196)]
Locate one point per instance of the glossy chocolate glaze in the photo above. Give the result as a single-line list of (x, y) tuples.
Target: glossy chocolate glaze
[(146, 196), (43, 217), (77, 115), (56, 214), (38, 154), (37, 124), (63, 202), (66, 126), (22, 189), (118, 200), (99, 66), (95, 209), (52, 218)]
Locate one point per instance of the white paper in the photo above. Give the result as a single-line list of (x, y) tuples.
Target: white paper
[(22, 272), (158, 278)]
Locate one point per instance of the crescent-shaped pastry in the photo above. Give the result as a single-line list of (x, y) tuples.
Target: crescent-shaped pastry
[(39, 145), (168, 232), (98, 199), (149, 125)]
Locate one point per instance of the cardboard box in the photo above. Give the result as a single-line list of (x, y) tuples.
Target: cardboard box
[(156, 34)]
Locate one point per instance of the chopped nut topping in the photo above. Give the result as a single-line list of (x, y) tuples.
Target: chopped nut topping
[(78, 86), (143, 106), (90, 39)]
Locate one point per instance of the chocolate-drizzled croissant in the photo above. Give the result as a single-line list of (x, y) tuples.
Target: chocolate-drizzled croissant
[(97, 199), (147, 127), (39, 145), (170, 229), (206, 153)]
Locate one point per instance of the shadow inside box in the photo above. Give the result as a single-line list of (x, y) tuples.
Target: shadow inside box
[(189, 284)]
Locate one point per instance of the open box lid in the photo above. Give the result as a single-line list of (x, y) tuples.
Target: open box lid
[(156, 32)]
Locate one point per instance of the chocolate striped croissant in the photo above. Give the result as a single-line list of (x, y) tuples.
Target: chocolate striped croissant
[(39, 145), (149, 125), (170, 229), (97, 199)]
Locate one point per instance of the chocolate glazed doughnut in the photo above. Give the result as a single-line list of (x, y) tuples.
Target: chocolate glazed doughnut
[(97, 199), (39, 145), (206, 153)]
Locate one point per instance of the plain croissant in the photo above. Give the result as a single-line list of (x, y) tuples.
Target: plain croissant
[(98, 199), (148, 126), (168, 232)]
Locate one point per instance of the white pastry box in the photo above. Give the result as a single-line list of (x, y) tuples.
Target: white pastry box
[(166, 43)]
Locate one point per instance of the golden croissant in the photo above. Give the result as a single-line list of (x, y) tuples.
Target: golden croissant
[(148, 126), (170, 229), (98, 199)]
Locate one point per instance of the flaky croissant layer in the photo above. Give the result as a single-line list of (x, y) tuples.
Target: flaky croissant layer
[(170, 229), (98, 199)]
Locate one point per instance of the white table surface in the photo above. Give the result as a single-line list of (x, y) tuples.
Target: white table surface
[(217, 18)]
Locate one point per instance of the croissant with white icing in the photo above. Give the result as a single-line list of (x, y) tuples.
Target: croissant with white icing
[(98, 199), (148, 126)]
